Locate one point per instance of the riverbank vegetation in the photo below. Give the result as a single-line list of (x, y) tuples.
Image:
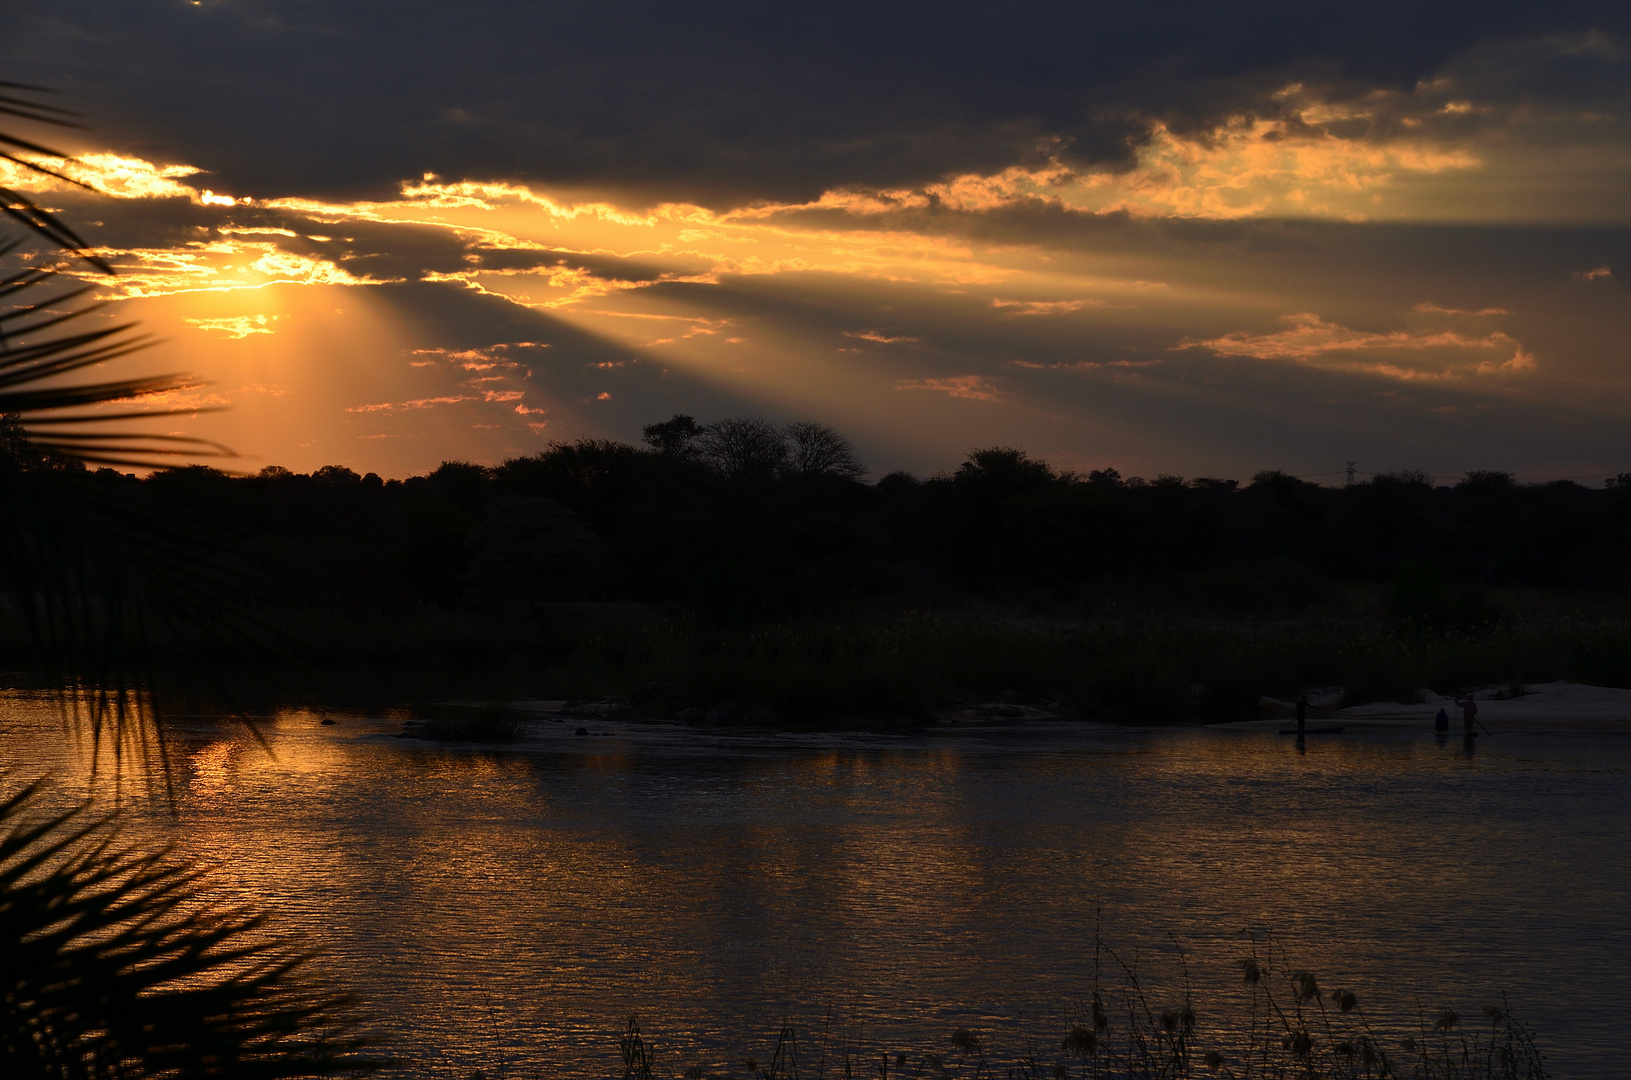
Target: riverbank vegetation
[(748, 571), (906, 668)]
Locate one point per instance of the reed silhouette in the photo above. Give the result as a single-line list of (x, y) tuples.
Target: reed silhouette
[(1286, 1027)]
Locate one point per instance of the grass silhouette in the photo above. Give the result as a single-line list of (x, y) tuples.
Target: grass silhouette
[(1287, 1027)]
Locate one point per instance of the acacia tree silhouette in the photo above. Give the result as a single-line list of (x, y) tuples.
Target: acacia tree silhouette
[(111, 964)]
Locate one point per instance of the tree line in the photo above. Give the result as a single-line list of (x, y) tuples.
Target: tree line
[(742, 516)]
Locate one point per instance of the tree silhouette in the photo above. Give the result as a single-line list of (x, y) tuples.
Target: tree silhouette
[(528, 551), (1002, 471), (744, 447), (818, 450), (676, 437)]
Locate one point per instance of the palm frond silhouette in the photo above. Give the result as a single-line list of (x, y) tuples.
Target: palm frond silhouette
[(93, 579), (19, 207), (110, 967), (40, 343)]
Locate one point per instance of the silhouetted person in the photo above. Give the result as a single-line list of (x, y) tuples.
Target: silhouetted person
[(1441, 722), (1469, 714), (1302, 713)]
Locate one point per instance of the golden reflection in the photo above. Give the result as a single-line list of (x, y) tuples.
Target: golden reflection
[(213, 768), (533, 897)]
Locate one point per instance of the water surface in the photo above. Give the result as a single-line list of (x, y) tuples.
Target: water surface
[(508, 909)]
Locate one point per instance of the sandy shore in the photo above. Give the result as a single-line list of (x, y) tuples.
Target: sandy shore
[(1543, 705)]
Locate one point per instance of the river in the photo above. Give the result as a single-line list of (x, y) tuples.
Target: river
[(507, 909)]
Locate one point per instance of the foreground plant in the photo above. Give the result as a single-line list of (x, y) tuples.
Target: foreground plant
[(113, 966), (1287, 1028), (89, 580), (1295, 1028)]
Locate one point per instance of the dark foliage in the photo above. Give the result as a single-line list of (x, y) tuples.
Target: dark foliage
[(597, 520)]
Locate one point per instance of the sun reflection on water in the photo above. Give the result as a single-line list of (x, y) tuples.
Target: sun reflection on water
[(513, 907)]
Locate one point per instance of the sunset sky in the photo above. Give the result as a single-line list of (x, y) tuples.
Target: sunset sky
[(1195, 238)]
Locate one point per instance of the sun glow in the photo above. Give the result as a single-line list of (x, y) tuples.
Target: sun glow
[(237, 326), (882, 309), (1248, 168)]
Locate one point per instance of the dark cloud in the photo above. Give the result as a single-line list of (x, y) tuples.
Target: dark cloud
[(718, 102), (920, 369)]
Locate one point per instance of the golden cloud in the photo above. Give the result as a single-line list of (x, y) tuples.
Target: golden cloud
[(974, 387), (227, 265), (1248, 167), (1257, 168), (417, 403), (880, 338), (237, 327), (1440, 354), (1043, 307), (110, 174), (484, 359)]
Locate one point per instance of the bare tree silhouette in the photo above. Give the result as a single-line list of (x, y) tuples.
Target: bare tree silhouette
[(744, 447), (818, 450)]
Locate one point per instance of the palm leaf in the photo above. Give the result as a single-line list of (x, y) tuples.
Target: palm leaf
[(20, 208), (97, 582), (111, 966), (35, 355)]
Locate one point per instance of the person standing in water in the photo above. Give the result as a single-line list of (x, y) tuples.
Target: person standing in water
[(1302, 712), (1469, 714), (1441, 722)]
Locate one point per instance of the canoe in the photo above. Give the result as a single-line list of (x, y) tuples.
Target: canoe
[(1313, 730)]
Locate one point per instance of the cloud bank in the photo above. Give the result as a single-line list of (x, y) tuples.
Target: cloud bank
[(1191, 239)]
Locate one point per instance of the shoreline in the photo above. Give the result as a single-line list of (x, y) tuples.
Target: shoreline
[(1541, 706)]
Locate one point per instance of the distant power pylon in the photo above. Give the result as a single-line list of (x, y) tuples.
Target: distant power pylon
[(1351, 465)]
